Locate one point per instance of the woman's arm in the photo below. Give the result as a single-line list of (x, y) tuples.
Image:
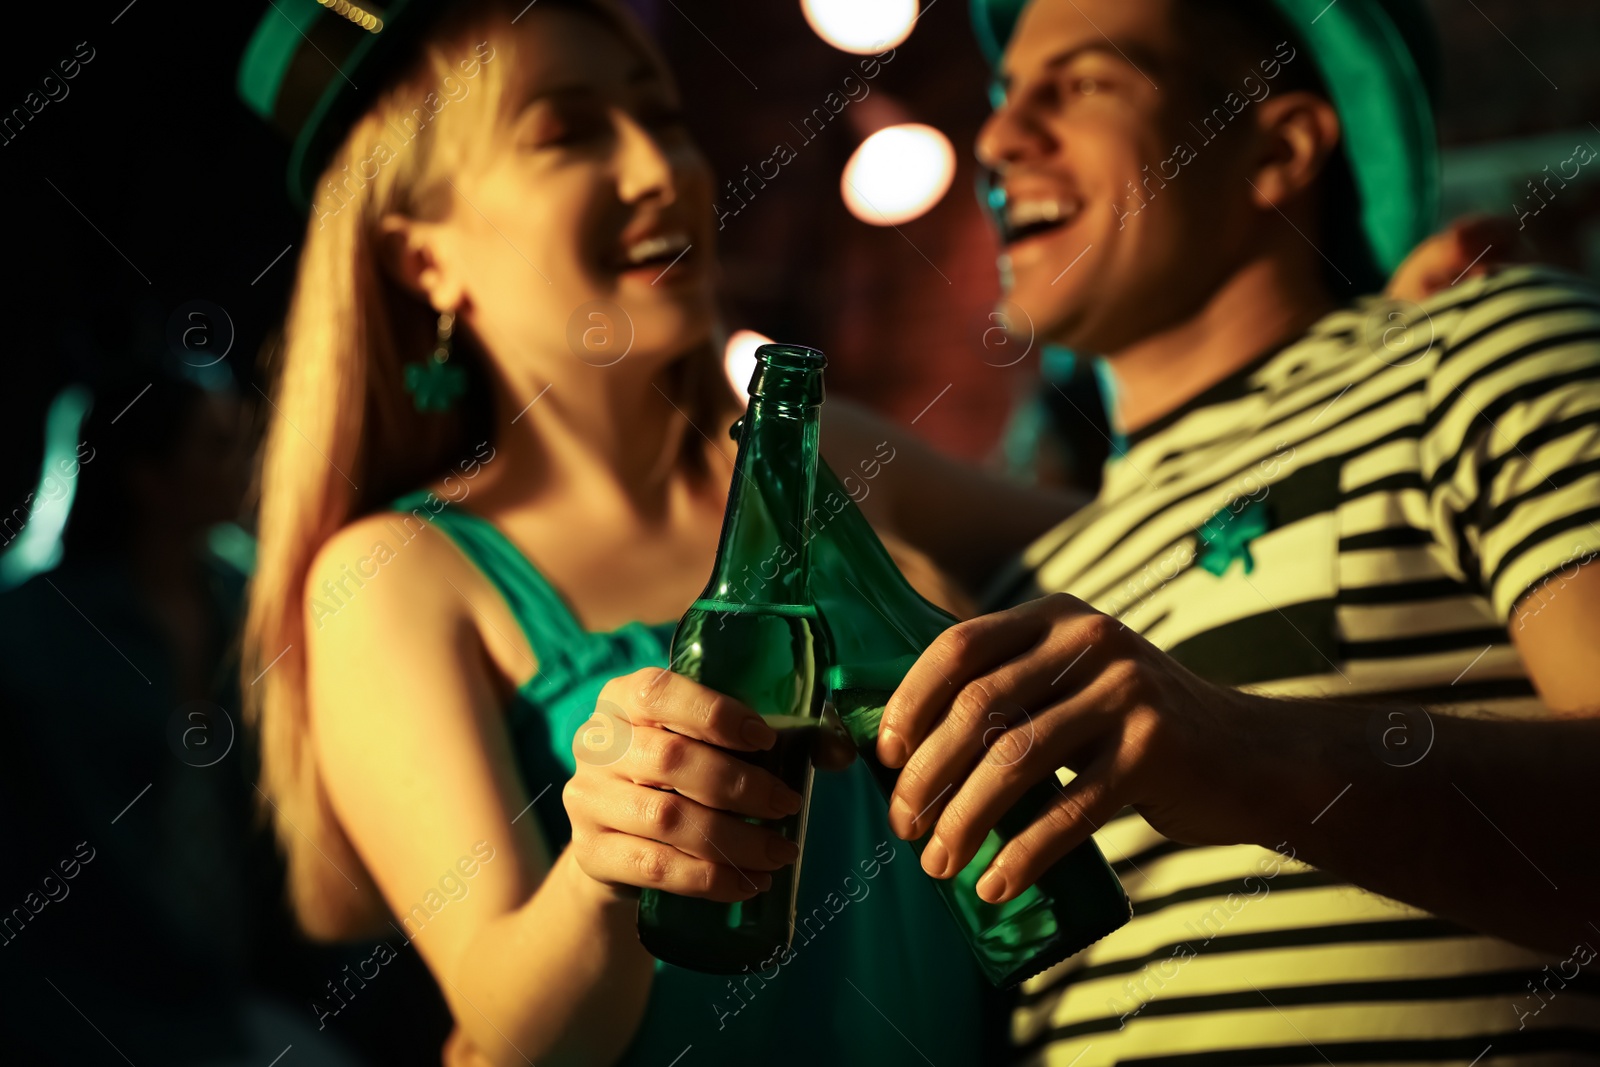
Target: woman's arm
[(969, 521), (407, 727), (539, 958)]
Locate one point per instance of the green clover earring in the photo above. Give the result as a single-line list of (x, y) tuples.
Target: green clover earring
[(435, 384)]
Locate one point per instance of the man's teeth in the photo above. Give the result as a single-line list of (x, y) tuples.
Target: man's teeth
[(1036, 212), (656, 247)]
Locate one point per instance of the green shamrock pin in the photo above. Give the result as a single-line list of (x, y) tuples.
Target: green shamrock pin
[(435, 384), (1226, 536)]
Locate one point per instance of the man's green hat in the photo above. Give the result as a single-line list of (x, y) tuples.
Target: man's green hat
[(312, 67), (1379, 62)]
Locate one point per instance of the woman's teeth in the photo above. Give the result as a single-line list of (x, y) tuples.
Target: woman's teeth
[(655, 248)]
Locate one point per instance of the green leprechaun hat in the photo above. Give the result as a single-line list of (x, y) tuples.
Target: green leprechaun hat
[(313, 67)]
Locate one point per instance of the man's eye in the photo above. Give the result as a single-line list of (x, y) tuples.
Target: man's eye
[(1085, 86)]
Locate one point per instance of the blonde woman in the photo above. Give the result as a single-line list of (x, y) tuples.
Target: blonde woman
[(443, 594)]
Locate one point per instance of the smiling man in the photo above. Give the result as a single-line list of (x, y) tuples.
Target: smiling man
[(1329, 693)]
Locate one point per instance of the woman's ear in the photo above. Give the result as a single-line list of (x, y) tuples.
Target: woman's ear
[(1297, 133), (410, 254)]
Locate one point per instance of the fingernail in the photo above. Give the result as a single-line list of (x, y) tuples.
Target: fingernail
[(902, 820), (756, 732), (935, 858), (762, 880), (891, 749), (992, 886), (782, 850), (786, 800)]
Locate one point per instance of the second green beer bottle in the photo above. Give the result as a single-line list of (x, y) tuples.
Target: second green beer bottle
[(879, 625), (755, 634)]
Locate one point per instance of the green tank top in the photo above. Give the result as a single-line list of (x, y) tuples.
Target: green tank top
[(877, 972)]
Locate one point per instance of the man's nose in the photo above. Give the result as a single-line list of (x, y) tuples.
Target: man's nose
[(1012, 134)]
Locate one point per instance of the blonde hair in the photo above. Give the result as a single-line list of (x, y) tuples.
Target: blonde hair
[(344, 439)]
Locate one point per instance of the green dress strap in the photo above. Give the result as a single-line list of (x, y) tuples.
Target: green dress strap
[(546, 620)]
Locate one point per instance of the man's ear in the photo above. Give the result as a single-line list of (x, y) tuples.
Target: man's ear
[(1297, 132), (408, 252)]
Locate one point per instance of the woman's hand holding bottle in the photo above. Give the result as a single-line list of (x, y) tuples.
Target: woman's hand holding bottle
[(660, 795)]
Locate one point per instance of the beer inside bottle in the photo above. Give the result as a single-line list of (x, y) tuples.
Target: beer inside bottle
[(754, 634), (879, 625)]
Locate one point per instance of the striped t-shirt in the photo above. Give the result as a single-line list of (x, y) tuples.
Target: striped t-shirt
[(1353, 515)]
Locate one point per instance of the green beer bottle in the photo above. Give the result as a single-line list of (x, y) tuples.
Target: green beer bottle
[(755, 634), (879, 625)]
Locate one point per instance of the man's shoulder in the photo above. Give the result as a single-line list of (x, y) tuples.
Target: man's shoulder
[(1526, 293), (1488, 331)]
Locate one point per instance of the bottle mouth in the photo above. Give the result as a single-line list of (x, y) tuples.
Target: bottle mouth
[(788, 375), (791, 357)]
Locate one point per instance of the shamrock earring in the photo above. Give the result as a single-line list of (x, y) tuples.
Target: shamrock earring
[(433, 381)]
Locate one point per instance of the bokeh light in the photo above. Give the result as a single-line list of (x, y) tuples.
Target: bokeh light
[(897, 174), (739, 358), (861, 26)]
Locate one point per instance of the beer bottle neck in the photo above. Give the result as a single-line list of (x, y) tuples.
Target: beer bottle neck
[(879, 622), (763, 556)]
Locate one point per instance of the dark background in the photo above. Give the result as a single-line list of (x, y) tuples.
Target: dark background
[(149, 187)]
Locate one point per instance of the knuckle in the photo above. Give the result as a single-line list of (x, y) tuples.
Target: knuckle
[(1095, 628), (1071, 810), (717, 713), (954, 820), (913, 781), (970, 705), (572, 797), (1058, 602), (957, 644), (738, 782), (577, 745), (671, 753), (651, 867), (624, 686), (662, 815), (1009, 748), (1122, 676), (1063, 814), (649, 685)]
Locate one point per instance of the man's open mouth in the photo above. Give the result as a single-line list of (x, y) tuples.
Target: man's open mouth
[(1025, 218)]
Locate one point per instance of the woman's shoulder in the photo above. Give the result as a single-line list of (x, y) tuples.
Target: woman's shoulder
[(384, 544), (374, 566), (392, 581)]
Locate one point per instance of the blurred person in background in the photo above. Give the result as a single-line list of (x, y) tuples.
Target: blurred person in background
[(135, 893)]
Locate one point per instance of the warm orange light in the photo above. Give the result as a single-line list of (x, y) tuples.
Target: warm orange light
[(861, 26), (897, 174)]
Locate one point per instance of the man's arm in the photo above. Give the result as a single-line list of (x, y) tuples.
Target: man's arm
[(1497, 825), (967, 520)]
